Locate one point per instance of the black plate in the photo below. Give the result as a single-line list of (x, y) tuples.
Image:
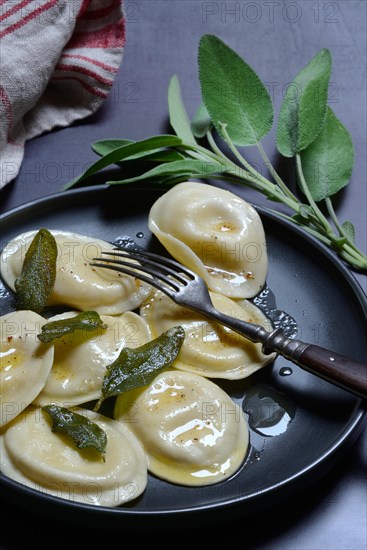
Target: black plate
[(300, 424)]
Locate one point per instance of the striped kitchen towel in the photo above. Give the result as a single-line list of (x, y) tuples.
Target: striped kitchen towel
[(58, 60)]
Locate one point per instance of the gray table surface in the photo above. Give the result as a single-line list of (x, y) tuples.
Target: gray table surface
[(277, 38)]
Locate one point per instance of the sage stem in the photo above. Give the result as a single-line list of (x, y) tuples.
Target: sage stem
[(303, 184), (274, 173)]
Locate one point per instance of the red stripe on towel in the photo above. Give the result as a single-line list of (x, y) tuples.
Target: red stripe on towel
[(101, 12), (109, 68), (111, 36), (83, 70), (83, 7), (28, 18), (14, 9), (89, 88)]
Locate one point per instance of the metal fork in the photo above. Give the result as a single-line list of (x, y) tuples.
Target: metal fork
[(187, 289)]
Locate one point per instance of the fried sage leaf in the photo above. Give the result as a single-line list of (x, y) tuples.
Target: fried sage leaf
[(87, 320), (36, 281), (83, 431), (138, 367)]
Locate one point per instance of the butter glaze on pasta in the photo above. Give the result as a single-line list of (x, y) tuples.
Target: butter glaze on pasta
[(25, 362), (78, 284), (210, 349), (215, 233), (81, 358), (193, 432), (31, 453)]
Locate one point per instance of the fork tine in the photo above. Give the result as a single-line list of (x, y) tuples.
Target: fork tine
[(159, 260), (121, 267), (165, 274), (153, 260)]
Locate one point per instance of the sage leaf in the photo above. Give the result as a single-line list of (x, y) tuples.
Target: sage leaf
[(171, 180), (179, 119), (327, 163), (233, 93), (198, 168), (349, 230), (36, 281), (303, 110), (164, 155), (83, 431), (138, 367), (304, 214), (125, 152), (159, 155), (87, 321), (201, 122), (104, 146)]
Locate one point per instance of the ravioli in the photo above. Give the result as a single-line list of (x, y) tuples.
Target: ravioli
[(78, 285), (193, 432), (31, 453), (215, 233), (81, 358), (210, 349), (25, 362)]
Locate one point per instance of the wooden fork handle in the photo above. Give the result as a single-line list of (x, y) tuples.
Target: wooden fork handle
[(334, 367), (337, 369)]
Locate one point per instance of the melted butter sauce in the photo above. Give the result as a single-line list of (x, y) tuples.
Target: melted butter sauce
[(265, 301), (6, 300), (194, 430), (225, 226), (235, 278), (269, 411), (205, 473), (10, 358), (124, 241)]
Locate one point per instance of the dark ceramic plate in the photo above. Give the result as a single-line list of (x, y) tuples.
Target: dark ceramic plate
[(300, 424)]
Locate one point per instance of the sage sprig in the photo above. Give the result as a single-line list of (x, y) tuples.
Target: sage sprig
[(237, 109)]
